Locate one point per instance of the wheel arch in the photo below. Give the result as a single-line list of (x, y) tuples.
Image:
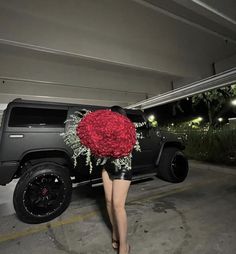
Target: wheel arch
[(33, 157), (168, 144)]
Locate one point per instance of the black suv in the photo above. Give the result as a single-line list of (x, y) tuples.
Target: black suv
[(32, 149)]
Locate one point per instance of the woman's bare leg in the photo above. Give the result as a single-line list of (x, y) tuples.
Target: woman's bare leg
[(107, 184), (119, 194)]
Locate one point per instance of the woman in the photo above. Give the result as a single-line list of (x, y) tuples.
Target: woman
[(116, 185)]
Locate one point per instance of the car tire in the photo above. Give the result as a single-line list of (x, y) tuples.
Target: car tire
[(173, 165), (42, 193)]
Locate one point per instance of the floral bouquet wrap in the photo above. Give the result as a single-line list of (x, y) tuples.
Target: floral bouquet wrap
[(103, 134)]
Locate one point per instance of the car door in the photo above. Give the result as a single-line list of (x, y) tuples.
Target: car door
[(145, 160)]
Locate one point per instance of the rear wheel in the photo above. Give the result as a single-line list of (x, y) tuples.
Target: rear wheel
[(173, 166), (42, 193)]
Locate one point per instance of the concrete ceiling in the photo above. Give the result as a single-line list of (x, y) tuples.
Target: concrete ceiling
[(111, 52), (214, 16)]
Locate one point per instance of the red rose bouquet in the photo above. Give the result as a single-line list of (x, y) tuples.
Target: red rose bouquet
[(103, 134)]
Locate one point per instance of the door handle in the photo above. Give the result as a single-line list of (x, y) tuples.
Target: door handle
[(16, 136)]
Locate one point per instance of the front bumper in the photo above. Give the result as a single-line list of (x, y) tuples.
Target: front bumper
[(7, 171)]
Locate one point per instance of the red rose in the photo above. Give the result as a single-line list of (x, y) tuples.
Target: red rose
[(107, 134)]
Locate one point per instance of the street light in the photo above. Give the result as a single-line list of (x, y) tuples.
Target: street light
[(199, 118), (233, 102), (151, 118), (220, 119)]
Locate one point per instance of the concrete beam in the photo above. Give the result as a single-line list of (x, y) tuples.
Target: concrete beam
[(219, 80), (117, 32), (225, 64), (26, 72)]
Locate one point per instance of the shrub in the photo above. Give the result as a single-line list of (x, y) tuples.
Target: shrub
[(214, 145)]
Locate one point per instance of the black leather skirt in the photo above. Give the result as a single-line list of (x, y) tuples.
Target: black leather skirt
[(117, 174)]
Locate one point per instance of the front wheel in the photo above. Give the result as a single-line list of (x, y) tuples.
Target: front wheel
[(42, 193), (173, 166)]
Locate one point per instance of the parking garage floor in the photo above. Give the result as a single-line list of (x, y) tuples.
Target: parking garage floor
[(196, 216)]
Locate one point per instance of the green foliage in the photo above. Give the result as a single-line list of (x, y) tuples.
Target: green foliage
[(217, 146), (207, 144), (215, 101)]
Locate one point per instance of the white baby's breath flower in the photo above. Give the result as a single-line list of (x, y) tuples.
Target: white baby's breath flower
[(72, 139)]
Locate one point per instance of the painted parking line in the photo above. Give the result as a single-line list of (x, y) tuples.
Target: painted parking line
[(172, 191), (45, 227), (78, 218)]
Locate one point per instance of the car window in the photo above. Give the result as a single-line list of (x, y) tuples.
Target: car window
[(37, 117), (1, 118), (136, 118)]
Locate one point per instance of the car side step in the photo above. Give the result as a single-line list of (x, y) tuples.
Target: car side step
[(135, 179), (98, 181)]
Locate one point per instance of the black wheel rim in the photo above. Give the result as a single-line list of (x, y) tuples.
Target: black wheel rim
[(179, 166), (44, 195)]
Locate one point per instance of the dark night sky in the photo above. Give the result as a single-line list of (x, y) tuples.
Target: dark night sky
[(164, 113)]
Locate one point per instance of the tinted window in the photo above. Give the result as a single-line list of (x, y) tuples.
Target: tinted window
[(136, 118), (139, 119), (37, 117), (1, 117)]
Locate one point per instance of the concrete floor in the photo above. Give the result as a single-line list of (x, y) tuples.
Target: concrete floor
[(196, 216)]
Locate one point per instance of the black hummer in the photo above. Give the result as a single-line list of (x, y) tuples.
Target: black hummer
[(32, 149)]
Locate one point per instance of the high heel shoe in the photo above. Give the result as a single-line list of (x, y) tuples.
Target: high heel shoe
[(115, 244), (129, 249)]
